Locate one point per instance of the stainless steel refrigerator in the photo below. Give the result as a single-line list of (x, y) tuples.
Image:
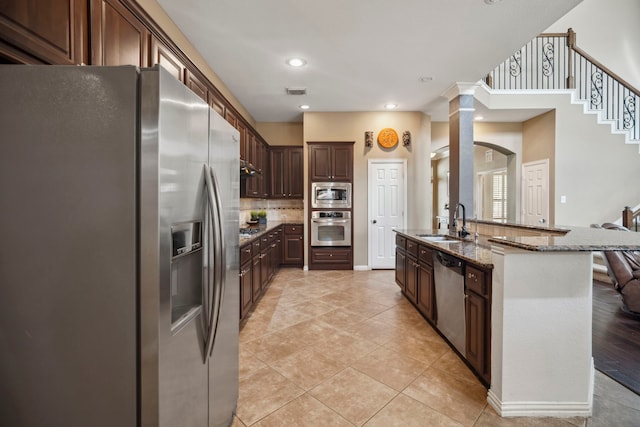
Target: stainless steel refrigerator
[(119, 298)]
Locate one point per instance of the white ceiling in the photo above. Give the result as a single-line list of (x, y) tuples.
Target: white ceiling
[(360, 54)]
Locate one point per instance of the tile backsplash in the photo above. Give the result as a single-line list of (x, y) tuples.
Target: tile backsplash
[(277, 210)]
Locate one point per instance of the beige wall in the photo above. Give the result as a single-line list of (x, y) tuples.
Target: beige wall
[(351, 127), (281, 133), (157, 13), (538, 143)]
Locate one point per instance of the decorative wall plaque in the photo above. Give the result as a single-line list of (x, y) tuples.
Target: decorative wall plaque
[(388, 138)]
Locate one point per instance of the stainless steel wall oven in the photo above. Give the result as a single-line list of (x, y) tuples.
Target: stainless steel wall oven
[(331, 228)]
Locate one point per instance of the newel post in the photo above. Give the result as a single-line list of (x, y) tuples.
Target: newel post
[(627, 217), (571, 43)]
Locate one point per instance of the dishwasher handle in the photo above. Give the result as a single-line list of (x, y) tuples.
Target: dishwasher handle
[(451, 262)]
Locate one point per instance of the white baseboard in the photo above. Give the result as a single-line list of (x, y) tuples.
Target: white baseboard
[(305, 268), (540, 409), (361, 268)]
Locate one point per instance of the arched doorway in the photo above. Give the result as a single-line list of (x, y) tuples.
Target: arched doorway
[(495, 184)]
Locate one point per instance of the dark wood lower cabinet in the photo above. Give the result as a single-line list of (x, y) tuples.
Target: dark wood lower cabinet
[(475, 312), (401, 268), (293, 245), (331, 258), (411, 282), (478, 290), (260, 260), (246, 292), (256, 277), (414, 275), (426, 292)]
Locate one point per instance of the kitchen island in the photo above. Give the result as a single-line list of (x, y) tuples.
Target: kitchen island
[(540, 316)]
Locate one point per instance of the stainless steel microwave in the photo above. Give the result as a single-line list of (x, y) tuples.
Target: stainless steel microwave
[(331, 195)]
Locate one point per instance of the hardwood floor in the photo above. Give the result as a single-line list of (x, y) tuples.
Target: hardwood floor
[(616, 338)]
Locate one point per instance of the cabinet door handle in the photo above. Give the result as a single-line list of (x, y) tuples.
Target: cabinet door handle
[(472, 276)]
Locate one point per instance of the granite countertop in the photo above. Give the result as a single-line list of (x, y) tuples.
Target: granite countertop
[(479, 254), (576, 239), (265, 229)]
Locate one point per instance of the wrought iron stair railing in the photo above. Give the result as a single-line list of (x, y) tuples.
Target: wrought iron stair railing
[(553, 61)]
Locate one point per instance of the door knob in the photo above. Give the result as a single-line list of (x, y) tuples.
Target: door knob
[(374, 221), (542, 221)]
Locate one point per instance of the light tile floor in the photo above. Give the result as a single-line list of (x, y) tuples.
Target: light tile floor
[(345, 348)]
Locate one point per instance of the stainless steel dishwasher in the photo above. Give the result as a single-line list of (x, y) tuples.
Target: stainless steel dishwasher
[(448, 272)]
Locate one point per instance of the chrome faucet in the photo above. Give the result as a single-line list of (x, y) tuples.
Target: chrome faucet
[(463, 232)]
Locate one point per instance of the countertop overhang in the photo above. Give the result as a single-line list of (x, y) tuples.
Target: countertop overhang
[(575, 239)]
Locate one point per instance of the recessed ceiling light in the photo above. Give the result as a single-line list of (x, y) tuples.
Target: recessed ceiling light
[(390, 106), (296, 62), (490, 2), (304, 107)]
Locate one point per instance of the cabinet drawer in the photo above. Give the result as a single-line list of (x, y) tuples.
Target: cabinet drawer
[(293, 229), (425, 255), (474, 280), (265, 241), (256, 247), (412, 248), (245, 253), (333, 256), (401, 242)]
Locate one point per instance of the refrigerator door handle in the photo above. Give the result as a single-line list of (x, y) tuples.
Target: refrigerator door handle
[(212, 270), (219, 265), (218, 293)]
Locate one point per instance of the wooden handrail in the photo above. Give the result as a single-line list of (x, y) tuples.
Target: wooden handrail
[(628, 216), (606, 70)]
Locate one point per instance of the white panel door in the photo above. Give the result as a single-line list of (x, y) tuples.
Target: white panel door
[(387, 201), (535, 192)]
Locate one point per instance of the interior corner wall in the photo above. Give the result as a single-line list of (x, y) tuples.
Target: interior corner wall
[(281, 133), (328, 127), (538, 143), (596, 171)]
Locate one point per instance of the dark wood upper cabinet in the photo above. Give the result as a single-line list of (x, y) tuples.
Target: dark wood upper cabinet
[(342, 163), (197, 86), (53, 31), (161, 54), (331, 161), (285, 170), (117, 36), (276, 168), (231, 118), (216, 102), (244, 146), (320, 163)]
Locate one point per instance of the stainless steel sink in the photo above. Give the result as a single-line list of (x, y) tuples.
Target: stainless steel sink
[(438, 238)]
